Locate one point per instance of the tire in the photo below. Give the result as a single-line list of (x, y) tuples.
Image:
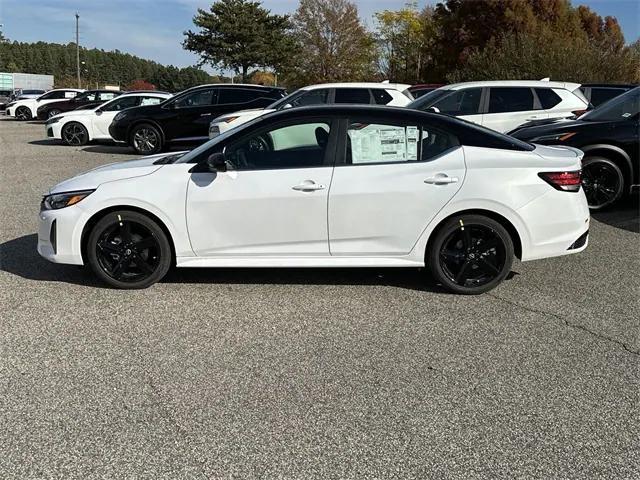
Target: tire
[(470, 254), (602, 181), (53, 112), (23, 113), (146, 139), (75, 134), (128, 250)]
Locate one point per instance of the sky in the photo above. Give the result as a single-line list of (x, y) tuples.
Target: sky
[(153, 29)]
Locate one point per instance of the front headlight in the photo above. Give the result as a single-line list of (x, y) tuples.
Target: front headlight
[(554, 137), (55, 119), (119, 116), (61, 200)]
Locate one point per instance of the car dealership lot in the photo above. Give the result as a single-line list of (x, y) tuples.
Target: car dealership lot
[(310, 373)]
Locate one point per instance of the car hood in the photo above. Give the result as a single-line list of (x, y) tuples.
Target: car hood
[(109, 173), (76, 113), (27, 101)]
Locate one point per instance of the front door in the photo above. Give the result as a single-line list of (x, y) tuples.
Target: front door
[(104, 115), (272, 200), (393, 179), (193, 113)]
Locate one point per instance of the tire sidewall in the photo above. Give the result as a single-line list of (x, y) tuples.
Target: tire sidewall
[(24, 109), (592, 160), (114, 217), (86, 134), (450, 226), (155, 129)]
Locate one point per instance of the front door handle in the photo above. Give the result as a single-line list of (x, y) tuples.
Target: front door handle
[(441, 179), (308, 186)]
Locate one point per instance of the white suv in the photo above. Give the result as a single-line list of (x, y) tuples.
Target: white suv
[(27, 108), (505, 105), (394, 94)]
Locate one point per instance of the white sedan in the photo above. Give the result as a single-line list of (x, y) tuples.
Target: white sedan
[(79, 127), (363, 93), (331, 186)]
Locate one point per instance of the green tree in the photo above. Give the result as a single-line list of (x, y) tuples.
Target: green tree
[(240, 35)]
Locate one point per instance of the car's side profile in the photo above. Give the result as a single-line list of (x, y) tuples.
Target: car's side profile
[(609, 136), (362, 93), (332, 186), (84, 99), (79, 127), (504, 105), (27, 109), (186, 117)]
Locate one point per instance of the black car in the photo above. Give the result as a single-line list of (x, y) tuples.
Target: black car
[(608, 136), (185, 117), (90, 98), (599, 93)]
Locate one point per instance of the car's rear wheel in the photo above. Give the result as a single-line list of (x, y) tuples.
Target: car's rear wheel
[(75, 134), (470, 254), (146, 139), (128, 250), (23, 113), (603, 182), (53, 112)]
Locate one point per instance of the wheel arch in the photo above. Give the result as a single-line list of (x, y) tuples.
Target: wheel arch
[(502, 220), (616, 155), (95, 218), (150, 122), (88, 128)]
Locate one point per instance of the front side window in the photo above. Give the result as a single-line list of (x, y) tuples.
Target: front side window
[(121, 104), (301, 145), (369, 143), (311, 97), (460, 102), (201, 98), (86, 97), (510, 99), (353, 95)]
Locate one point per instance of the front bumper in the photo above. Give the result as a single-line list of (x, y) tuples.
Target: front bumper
[(59, 235)]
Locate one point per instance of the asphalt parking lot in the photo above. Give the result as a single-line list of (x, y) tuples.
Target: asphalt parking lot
[(300, 374)]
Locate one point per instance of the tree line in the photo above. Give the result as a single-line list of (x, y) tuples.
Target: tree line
[(457, 40)]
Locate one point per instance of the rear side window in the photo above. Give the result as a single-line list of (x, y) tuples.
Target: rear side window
[(237, 95), (353, 95), (150, 100), (510, 99), (381, 96), (107, 96), (460, 102), (548, 98)]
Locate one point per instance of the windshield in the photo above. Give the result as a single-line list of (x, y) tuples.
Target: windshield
[(619, 108), (428, 99), (280, 104)]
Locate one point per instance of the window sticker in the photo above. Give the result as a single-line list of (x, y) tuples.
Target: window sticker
[(70, 94), (371, 143)]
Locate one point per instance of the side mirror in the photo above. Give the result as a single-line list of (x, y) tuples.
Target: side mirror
[(98, 112), (216, 162)]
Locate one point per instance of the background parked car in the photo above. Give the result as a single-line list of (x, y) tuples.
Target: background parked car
[(28, 108), (21, 94), (79, 127), (598, 93), (385, 93), (504, 105), (5, 95), (423, 88), (609, 136), (88, 98), (185, 118)]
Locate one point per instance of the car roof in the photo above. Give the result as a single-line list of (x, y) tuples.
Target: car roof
[(66, 90), (386, 85), (235, 85), (513, 83), (139, 94), (611, 85)]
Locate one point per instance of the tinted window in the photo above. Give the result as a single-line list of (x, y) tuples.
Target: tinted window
[(460, 102), (196, 99), (121, 104), (87, 97), (312, 97), (107, 96), (237, 95), (601, 95), (58, 95), (623, 107), (294, 146), (352, 95), (380, 96), (510, 99), (548, 98)]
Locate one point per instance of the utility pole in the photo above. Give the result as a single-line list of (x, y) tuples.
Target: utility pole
[(78, 50)]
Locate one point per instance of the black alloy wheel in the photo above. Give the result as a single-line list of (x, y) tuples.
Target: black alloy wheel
[(74, 134), (471, 254), (146, 139), (128, 250), (602, 181), (53, 112), (23, 113)]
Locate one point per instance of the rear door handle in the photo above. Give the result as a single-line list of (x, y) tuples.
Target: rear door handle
[(441, 179), (308, 186)]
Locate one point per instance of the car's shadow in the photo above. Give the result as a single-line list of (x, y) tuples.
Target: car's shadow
[(19, 257), (624, 215), (46, 142)]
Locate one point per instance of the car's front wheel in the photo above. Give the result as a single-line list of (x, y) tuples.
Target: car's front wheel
[(75, 134), (602, 181), (128, 250), (23, 113), (146, 139), (470, 254)]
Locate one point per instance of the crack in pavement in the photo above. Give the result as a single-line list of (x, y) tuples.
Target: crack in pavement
[(568, 324)]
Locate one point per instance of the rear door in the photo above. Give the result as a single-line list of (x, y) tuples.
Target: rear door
[(510, 107), (391, 180)]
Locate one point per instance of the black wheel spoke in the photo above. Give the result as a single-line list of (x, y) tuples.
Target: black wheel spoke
[(109, 248), (466, 238), (145, 243), (118, 269), (462, 272), (144, 266), (492, 268)]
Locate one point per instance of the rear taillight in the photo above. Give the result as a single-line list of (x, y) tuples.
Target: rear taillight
[(577, 113), (565, 181)]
